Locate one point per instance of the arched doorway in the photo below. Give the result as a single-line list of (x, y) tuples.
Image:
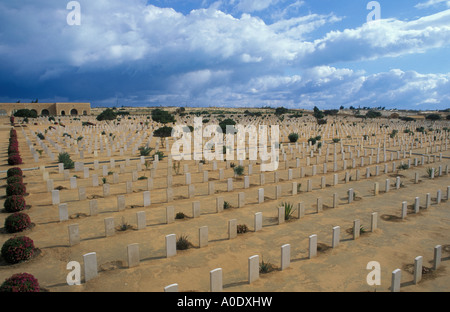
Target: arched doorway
[(45, 112), (34, 111), (85, 113), (63, 113), (74, 112)]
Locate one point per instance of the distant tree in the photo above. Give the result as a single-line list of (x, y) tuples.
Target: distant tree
[(394, 116), (341, 108), (162, 116), (433, 117), (448, 117), (373, 114), (281, 111), (163, 132), (107, 114), (293, 137), (318, 114), (26, 113), (227, 122), (330, 112)]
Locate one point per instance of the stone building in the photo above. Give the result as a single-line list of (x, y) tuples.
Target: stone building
[(47, 109)]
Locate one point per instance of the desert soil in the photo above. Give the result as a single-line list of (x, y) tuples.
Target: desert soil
[(394, 244)]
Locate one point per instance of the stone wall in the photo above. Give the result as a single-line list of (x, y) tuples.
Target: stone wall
[(50, 109)]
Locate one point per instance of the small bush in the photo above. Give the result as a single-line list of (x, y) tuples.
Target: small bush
[(160, 155), (14, 171), (14, 203), (288, 210), (18, 249), (17, 222), (20, 282), (430, 172), (13, 148), (403, 167), (265, 267), (242, 228), (226, 205), (40, 136), (14, 159), (180, 215), (14, 179), (183, 242), (293, 137), (238, 171), (145, 151), (65, 159), (16, 189)]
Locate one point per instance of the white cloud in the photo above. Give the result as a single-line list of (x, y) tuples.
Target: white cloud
[(255, 5), (211, 57), (430, 3)]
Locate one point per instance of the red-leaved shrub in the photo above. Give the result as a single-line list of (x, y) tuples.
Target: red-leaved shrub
[(14, 159), (14, 171), (20, 282), (14, 203), (16, 189), (14, 179), (18, 249), (17, 222)]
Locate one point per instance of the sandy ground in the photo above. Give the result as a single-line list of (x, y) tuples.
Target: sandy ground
[(394, 244)]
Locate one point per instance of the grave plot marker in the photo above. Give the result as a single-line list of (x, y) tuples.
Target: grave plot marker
[(418, 262), (312, 252), (216, 284), (63, 212), (140, 220), (285, 256), (258, 221), (336, 236), (90, 266), (133, 255), (253, 269), (74, 234), (203, 236), (171, 245), (232, 229), (395, 281)]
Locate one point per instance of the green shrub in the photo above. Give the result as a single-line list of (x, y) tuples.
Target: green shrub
[(25, 113), (107, 114), (180, 216), (162, 116), (288, 210), (238, 171), (145, 151), (183, 243), (293, 137), (160, 155), (65, 159), (163, 132)]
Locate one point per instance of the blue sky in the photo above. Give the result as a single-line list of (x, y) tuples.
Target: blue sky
[(229, 53)]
